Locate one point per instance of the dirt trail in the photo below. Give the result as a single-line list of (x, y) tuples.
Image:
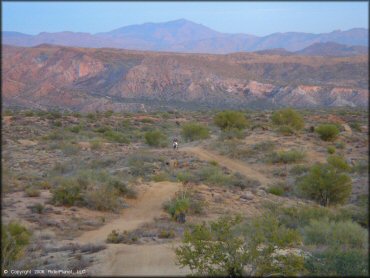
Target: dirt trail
[(122, 259), (144, 209), (232, 164)]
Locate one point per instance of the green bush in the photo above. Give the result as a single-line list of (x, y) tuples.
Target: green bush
[(339, 263), (155, 138), (231, 134), (115, 136), (14, 240), (162, 176), (338, 163), (330, 149), (326, 185), (68, 193), (299, 170), (103, 199), (288, 119), (327, 132), (194, 131), (345, 234), (228, 247), (32, 192), (276, 190), (291, 156), (228, 120), (177, 206), (166, 234), (75, 129)]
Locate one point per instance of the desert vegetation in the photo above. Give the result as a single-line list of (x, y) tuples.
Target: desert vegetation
[(71, 177)]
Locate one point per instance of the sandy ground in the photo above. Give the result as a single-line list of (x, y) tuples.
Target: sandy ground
[(131, 260)]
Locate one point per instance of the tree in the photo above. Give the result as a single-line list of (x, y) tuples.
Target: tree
[(229, 247), (288, 119), (327, 183), (228, 120)]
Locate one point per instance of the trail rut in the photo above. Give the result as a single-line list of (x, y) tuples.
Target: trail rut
[(231, 164)]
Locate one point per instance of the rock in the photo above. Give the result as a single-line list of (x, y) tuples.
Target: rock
[(247, 196)]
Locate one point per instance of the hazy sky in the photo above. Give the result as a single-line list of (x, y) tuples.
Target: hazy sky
[(230, 17)]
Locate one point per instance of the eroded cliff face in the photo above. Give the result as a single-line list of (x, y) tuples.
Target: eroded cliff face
[(100, 79)]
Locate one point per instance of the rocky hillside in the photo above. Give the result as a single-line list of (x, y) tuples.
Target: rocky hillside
[(186, 36), (89, 79)]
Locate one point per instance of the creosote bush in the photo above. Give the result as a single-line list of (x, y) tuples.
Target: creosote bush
[(14, 239), (327, 132), (155, 138), (288, 120), (327, 183), (285, 157), (228, 120), (194, 131)]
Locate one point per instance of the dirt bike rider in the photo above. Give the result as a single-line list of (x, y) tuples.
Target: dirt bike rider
[(175, 143)]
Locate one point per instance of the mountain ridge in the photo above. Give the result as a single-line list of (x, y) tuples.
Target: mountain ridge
[(186, 36)]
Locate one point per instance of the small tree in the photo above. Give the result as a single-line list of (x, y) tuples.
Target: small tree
[(326, 184), (327, 132), (288, 120), (194, 131), (228, 120), (227, 247), (155, 138)]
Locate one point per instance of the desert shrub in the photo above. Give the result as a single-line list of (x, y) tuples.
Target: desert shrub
[(32, 192), (326, 185), (162, 176), (178, 206), (194, 131), (108, 113), (184, 176), (361, 167), (225, 247), (55, 135), (155, 138), (340, 145), (103, 129), (121, 187), (299, 169), (141, 164), (14, 239), (69, 148), (228, 120), (290, 156), (103, 199), (346, 234), (37, 208), (232, 148), (124, 237), (327, 132), (232, 133), (264, 146), (68, 193), (54, 115), (57, 123), (355, 126), (330, 149), (276, 190), (183, 203), (115, 136), (339, 263), (96, 144), (166, 234), (75, 129), (288, 120), (338, 163), (91, 116)]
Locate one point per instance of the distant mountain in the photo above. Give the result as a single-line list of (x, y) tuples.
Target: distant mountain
[(88, 79), (333, 49), (321, 49), (186, 36)]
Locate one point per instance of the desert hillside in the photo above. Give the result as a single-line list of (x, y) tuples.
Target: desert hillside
[(88, 79)]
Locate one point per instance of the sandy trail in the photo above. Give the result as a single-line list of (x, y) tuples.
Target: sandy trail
[(129, 260), (231, 164)]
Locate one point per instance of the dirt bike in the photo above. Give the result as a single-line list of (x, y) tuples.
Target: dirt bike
[(175, 145)]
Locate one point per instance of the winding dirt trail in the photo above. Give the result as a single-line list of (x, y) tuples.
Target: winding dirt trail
[(131, 260), (231, 164)]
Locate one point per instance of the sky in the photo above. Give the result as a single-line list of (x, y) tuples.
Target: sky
[(253, 18)]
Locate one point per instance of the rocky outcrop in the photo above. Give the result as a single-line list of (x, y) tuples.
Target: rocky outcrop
[(101, 79)]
